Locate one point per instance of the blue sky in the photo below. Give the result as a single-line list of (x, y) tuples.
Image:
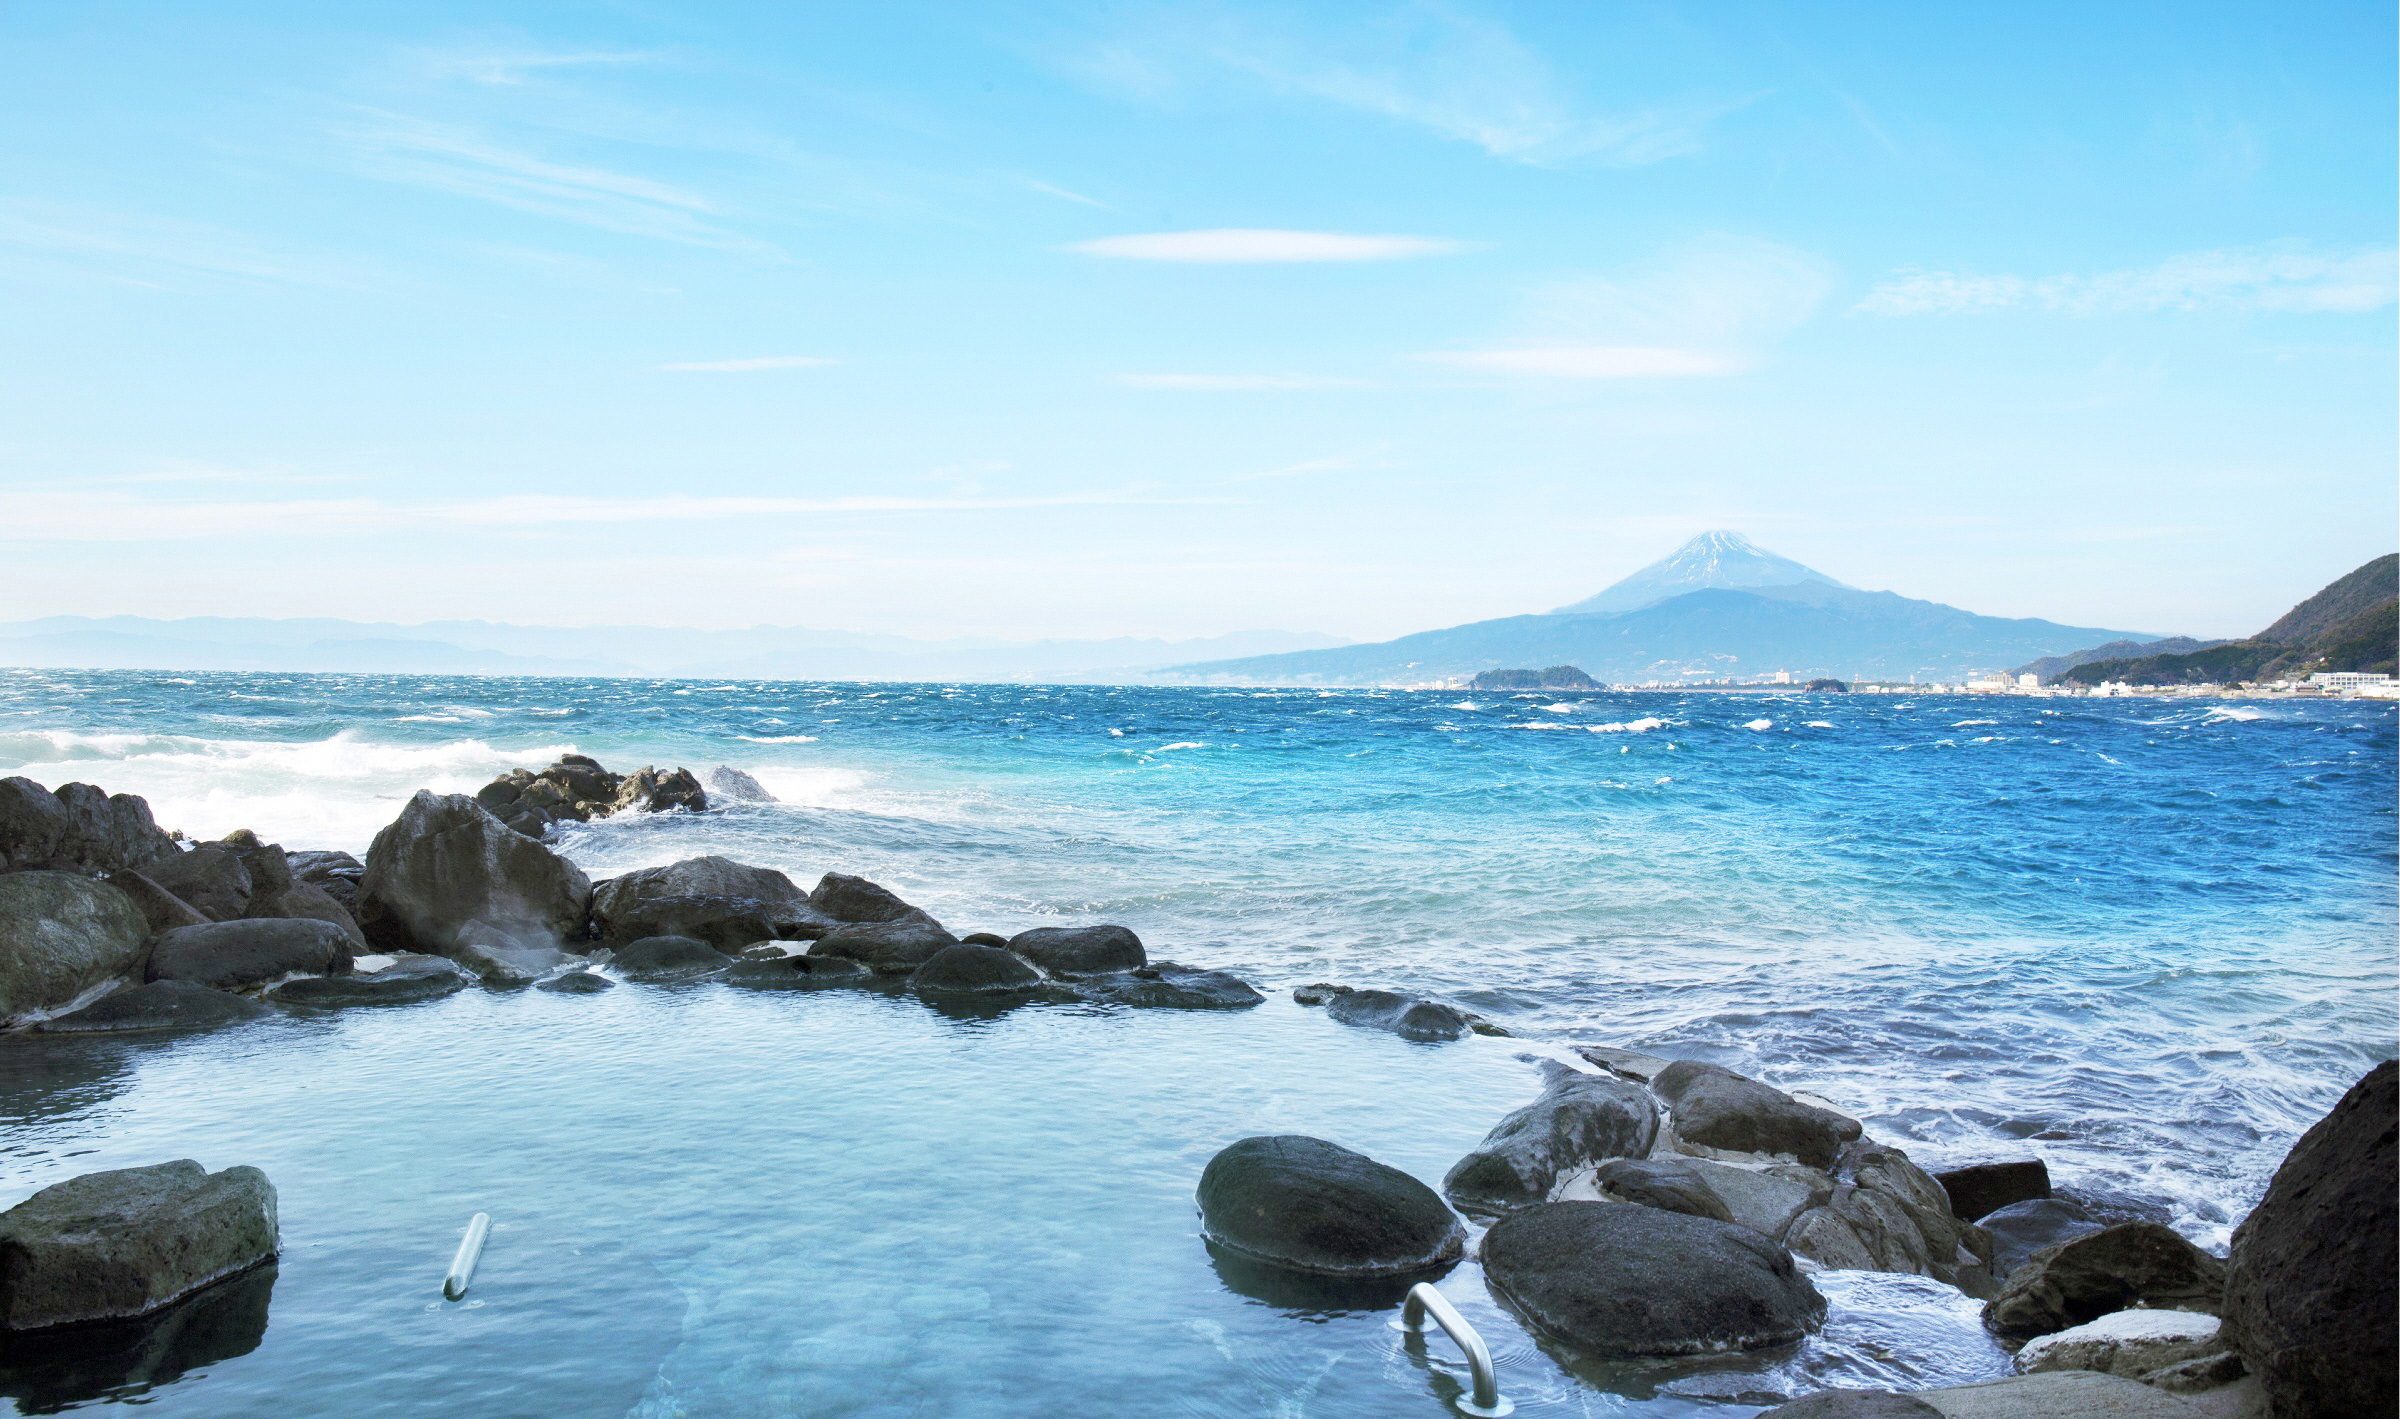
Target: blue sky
[(1178, 319)]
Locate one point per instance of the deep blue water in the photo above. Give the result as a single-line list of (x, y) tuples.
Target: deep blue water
[(2150, 940)]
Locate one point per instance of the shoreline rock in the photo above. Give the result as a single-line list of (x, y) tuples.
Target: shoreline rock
[(63, 937), (1304, 1204), (112, 1245), (445, 863)]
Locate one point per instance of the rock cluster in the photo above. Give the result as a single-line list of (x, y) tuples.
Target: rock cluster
[(1411, 1017), (578, 789)]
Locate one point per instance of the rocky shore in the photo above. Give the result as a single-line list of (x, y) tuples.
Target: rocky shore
[(1639, 1208)]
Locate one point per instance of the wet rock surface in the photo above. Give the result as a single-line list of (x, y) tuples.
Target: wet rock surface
[(2128, 1343), (2023, 1228), (578, 982), (720, 901), (403, 983), (112, 1245), (578, 789), (445, 862), (893, 947), (734, 786), (158, 1005), (1718, 1109), (1577, 1121), (1304, 1204), (1886, 1214), (665, 958), (1604, 1279), (2309, 1289), (2116, 1268), (62, 935), (847, 898), (1165, 985), (1984, 1188), (1669, 1184), (77, 828), (118, 1361), (974, 970), (1067, 951), (230, 954)]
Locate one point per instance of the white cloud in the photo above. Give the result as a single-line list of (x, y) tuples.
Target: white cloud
[(151, 251), (761, 362), (2274, 278), (1229, 245), (1237, 381), (1428, 65), (1596, 361)]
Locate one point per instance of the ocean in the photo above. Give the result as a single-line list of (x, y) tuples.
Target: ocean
[(2148, 940)]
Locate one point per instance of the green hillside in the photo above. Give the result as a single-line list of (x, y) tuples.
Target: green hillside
[(2354, 624)]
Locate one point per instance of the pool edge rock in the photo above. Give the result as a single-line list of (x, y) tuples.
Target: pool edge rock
[(1307, 1205), (123, 1243)]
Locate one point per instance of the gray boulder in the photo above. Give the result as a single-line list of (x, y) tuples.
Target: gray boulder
[(1669, 1184), (336, 874), (577, 982), (2128, 1343), (212, 879), (734, 786), (1068, 951), (404, 983), (1303, 1204), (1884, 1213), (1854, 1404), (974, 970), (446, 862), (62, 935), (1164, 985), (79, 828), (2309, 1288), (250, 952), (723, 902), (1983, 1188), (1605, 1279), (2023, 1228), (1411, 1017), (1722, 1111), (653, 790), (309, 901), (162, 909), (846, 898), (2130, 1264), (666, 958), (1578, 1120), (124, 1243), (888, 948), (158, 1005)]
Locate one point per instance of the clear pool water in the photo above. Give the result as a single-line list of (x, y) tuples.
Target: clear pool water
[(2150, 941)]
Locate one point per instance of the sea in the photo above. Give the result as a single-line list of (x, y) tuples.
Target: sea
[(2149, 941)]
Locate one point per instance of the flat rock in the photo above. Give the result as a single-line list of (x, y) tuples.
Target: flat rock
[(1668, 1184), (2023, 1228), (2114, 1269), (1854, 1404), (250, 952), (1624, 1063), (2309, 1289), (1304, 1204), (888, 948), (722, 902), (2059, 1394), (974, 970), (1068, 951), (1578, 1120), (1164, 985), (1720, 1110), (2128, 1343), (577, 982), (1605, 1279), (62, 936), (159, 1005), (110, 1245), (409, 981), (1983, 1188), (445, 862), (665, 958), (1410, 1017)]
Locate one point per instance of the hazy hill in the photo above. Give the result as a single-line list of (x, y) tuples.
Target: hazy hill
[(2354, 624), (1811, 627), (2050, 667)]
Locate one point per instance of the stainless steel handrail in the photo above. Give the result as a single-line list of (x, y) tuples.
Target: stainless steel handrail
[(1422, 1301), (470, 1251)]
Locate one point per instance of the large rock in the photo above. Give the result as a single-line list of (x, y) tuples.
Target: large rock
[(974, 970), (1717, 1110), (735, 786), (403, 983), (1080, 950), (162, 909), (2130, 1264), (1578, 1120), (77, 828), (159, 1005), (1164, 985), (2023, 1228), (212, 879), (575, 788), (62, 935), (716, 899), (1983, 1188), (888, 948), (846, 898), (2309, 1289), (1669, 1184), (1307, 1205), (250, 952), (653, 790), (2128, 1343), (1605, 1279), (124, 1243), (336, 874), (667, 958), (123, 1361), (1886, 1214), (446, 862), (2067, 1394)]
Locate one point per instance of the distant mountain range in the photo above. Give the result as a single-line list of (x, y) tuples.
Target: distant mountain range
[(494, 648), (1719, 607), (2353, 624)]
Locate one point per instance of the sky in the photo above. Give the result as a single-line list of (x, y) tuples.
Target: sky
[(1180, 319)]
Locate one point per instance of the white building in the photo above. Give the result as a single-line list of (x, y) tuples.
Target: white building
[(2348, 680)]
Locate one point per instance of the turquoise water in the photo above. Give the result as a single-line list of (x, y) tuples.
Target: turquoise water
[(2151, 941)]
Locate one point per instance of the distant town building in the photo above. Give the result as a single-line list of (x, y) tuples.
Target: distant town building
[(2348, 680)]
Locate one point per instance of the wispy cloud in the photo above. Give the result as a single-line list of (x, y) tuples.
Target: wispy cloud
[(1232, 245), (1212, 382), (1430, 65), (761, 362), (2272, 278), (1707, 308), (509, 67), (1065, 195), (154, 251), (455, 159)]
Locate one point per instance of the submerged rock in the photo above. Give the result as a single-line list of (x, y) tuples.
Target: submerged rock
[(577, 982), (1164, 985), (124, 1243), (734, 786), (665, 958), (53, 1370), (1984, 1188), (1307, 1205), (62, 935), (725, 903), (1411, 1017), (974, 970), (250, 952), (501, 960), (2130, 1264), (2309, 1290), (445, 862), (2128, 1343), (1578, 1120), (1605, 1279), (1721, 1111), (405, 983), (158, 1005), (888, 948), (1069, 951)]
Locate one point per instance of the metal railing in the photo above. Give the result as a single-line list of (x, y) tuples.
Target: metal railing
[(470, 1251), (1485, 1401)]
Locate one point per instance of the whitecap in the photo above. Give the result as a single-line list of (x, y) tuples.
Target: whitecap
[(777, 738), (1760, 724), (1116, 734), (1970, 723), (1183, 744), (1817, 724), (1542, 724), (1464, 705)]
